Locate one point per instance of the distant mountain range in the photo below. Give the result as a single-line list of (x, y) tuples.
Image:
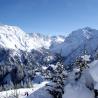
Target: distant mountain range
[(70, 47)]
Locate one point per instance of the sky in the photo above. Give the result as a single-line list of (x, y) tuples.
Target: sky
[(50, 17)]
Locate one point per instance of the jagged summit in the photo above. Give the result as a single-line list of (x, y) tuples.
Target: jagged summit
[(85, 33)]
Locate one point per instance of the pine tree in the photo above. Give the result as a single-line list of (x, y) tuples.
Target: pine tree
[(58, 77), (82, 63)]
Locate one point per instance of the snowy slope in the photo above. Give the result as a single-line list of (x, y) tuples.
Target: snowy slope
[(21, 92), (13, 37), (84, 88), (94, 70), (77, 91)]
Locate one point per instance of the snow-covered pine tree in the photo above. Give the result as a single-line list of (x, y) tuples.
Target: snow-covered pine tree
[(81, 63), (56, 87)]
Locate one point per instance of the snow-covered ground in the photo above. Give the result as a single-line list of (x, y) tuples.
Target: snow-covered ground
[(72, 89), (21, 92), (81, 89), (77, 91)]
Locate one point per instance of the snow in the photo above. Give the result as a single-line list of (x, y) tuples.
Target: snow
[(21, 92), (77, 91), (96, 86), (44, 67), (41, 93), (13, 37), (38, 79), (86, 57), (94, 70), (84, 87), (86, 33)]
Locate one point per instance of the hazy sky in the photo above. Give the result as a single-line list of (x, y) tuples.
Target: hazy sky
[(49, 16)]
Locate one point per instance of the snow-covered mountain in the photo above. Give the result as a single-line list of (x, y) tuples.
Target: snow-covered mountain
[(21, 53), (78, 41), (72, 46), (21, 63), (13, 37)]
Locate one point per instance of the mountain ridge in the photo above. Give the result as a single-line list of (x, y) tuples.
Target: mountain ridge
[(78, 41), (72, 46), (13, 37)]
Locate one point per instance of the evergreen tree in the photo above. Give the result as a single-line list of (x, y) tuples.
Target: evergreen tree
[(81, 63), (56, 89)]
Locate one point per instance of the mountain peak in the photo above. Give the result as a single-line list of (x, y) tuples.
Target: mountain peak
[(87, 28), (84, 33)]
